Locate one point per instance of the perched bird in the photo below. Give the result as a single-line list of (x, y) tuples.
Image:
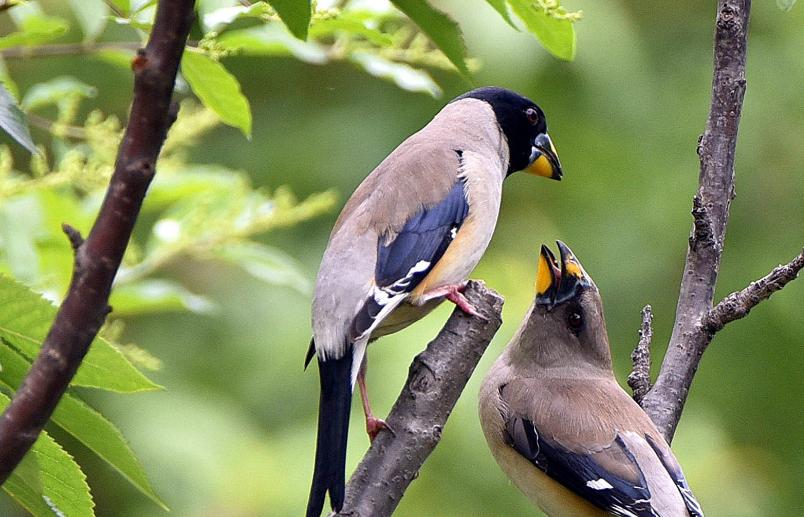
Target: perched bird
[(407, 239), (558, 423)]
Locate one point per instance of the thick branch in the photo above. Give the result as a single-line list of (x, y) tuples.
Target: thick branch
[(435, 381), (639, 379), (710, 211), (97, 259), (738, 305)]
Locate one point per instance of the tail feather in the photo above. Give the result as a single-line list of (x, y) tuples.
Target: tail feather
[(333, 426)]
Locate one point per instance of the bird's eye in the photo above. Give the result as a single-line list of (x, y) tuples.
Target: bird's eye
[(533, 115), (575, 320)]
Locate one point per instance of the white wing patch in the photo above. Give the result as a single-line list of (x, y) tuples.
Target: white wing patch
[(599, 484)]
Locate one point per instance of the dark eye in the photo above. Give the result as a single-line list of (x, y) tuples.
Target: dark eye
[(533, 115), (575, 320)]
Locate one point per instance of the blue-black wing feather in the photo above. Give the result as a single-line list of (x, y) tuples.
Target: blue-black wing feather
[(406, 259), (578, 471)]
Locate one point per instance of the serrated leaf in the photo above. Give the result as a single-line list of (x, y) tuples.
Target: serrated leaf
[(92, 16), (217, 89), (157, 295), (272, 40), (266, 263), (223, 16), (440, 28), (404, 76), (48, 481), (12, 120), (295, 14), (85, 424), (557, 35), (35, 31), (785, 5), (25, 321), (501, 7), (56, 90)]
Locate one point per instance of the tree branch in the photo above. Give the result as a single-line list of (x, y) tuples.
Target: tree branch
[(435, 381), (97, 259), (639, 379), (665, 401), (738, 305)]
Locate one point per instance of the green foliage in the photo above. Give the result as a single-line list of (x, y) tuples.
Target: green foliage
[(217, 89), (48, 481), (550, 23), (785, 5)]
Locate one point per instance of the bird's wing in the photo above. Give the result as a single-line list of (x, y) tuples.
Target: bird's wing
[(593, 439), (674, 469), (405, 258), (583, 473)]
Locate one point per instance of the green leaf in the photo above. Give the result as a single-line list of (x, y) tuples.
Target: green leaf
[(217, 89), (557, 35), (92, 16), (157, 295), (351, 25), (48, 481), (266, 263), (55, 91), (406, 77), (272, 40), (296, 15), (122, 7), (35, 31), (85, 424), (439, 27), (500, 7), (785, 5), (12, 120), (219, 18), (25, 321)]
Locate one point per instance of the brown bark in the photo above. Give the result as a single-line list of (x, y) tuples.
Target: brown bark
[(98, 257), (665, 401), (435, 381)]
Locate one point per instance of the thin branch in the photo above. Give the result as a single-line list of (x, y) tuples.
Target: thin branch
[(738, 305), (665, 401), (639, 379), (97, 259), (435, 381)]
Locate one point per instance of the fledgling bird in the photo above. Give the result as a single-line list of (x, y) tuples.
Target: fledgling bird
[(558, 423), (407, 239)]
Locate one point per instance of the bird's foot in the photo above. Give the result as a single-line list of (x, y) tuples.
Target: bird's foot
[(454, 293), (374, 425)]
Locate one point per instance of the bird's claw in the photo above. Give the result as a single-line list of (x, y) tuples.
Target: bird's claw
[(464, 304), (374, 425)]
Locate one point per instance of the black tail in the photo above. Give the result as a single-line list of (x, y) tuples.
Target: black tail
[(333, 426)]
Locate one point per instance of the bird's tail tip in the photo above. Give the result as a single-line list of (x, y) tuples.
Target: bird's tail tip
[(333, 425)]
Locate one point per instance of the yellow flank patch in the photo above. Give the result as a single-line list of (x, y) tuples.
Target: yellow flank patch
[(541, 167), (543, 277)]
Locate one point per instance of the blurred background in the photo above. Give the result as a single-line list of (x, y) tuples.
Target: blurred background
[(233, 432)]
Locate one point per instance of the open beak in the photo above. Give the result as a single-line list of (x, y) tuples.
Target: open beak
[(543, 159), (559, 281), (548, 278)]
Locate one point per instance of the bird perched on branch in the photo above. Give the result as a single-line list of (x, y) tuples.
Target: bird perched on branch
[(407, 239), (558, 423)]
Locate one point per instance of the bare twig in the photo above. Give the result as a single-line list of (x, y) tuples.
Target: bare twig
[(639, 379), (738, 305), (435, 381), (97, 259), (710, 211)]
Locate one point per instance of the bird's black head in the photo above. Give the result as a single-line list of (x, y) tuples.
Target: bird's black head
[(525, 129)]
